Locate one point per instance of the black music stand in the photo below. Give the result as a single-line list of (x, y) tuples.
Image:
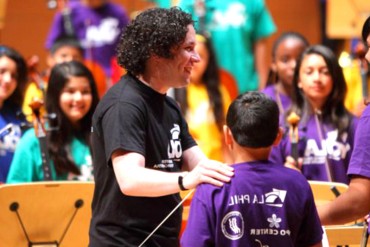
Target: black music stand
[(45, 214)]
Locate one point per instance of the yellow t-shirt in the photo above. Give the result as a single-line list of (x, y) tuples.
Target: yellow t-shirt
[(352, 74), (201, 120)]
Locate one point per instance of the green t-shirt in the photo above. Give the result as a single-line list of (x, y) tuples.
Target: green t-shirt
[(162, 3), (27, 163), (235, 26)]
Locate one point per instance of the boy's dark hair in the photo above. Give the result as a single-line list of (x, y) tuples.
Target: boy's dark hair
[(64, 41), (155, 32), (253, 119)]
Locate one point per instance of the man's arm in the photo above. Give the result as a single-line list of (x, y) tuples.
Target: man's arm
[(349, 206), (204, 170), (136, 180)]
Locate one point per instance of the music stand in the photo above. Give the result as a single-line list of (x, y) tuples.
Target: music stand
[(47, 214)]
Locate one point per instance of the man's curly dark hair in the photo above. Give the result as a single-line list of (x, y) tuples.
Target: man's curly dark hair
[(157, 32)]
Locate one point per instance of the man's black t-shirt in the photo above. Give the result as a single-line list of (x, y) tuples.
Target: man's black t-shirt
[(134, 117)]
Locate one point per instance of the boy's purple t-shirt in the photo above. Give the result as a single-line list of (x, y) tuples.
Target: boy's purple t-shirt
[(360, 160), (314, 151), (98, 30), (284, 99), (263, 205)]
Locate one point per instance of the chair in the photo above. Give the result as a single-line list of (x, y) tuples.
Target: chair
[(345, 235), (45, 213), (325, 192)]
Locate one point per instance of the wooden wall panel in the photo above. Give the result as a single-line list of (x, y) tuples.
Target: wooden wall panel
[(27, 22)]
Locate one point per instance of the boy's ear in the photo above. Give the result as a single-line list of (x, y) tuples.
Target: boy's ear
[(228, 136), (279, 136)]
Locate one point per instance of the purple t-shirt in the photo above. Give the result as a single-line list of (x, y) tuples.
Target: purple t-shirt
[(282, 100), (98, 30), (360, 160), (336, 151), (263, 205)]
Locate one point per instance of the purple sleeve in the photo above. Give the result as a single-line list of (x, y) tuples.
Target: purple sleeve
[(360, 159), (55, 31)]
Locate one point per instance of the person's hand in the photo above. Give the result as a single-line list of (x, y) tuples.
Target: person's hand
[(208, 171), (293, 164)]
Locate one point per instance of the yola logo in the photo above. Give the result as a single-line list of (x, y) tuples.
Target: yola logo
[(174, 149)]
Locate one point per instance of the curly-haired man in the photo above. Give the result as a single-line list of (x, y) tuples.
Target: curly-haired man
[(143, 153)]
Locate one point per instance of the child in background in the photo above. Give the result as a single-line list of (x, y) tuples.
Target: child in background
[(96, 24), (63, 50), (72, 96), (265, 204), (240, 31), (285, 52), (13, 80), (326, 129), (204, 102)]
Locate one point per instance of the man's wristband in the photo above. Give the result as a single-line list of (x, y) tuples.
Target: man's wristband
[(180, 182)]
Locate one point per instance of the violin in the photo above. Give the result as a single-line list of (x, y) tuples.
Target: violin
[(293, 120), (40, 131)]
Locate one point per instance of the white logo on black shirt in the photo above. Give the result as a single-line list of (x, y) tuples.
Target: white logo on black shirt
[(174, 149)]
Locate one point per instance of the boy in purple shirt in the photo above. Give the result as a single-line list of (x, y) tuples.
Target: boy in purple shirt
[(265, 204)]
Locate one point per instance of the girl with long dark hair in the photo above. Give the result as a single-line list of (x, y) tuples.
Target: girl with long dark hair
[(72, 96), (326, 128)]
